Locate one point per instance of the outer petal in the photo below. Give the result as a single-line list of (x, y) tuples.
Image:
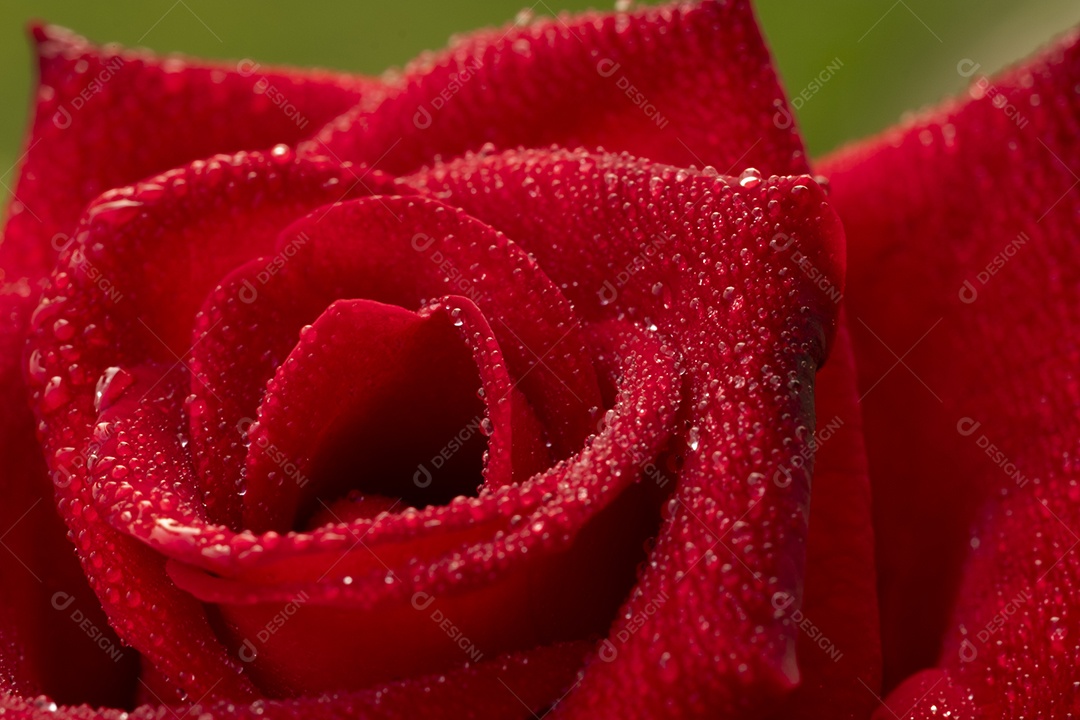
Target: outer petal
[(964, 291), (686, 83), (106, 117), (839, 646), (513, 686), (43, 594)]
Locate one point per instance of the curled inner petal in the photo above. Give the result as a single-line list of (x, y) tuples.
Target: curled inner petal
[(388, 402), (562, 561)]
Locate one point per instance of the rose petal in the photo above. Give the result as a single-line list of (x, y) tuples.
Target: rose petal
[(720, 265), (106, 117), (684, 83), (141, 269), (963, 291), (379, 391), (929, 695), (493, 563), (519, 685), (839, 645), (102, 119), (42, 646), (435, 250)]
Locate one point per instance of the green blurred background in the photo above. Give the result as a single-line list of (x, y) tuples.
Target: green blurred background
[(888, 55)]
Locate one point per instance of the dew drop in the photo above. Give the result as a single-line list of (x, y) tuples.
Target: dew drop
[(111, 386), (1057, 640), (114, 213), (281, 153), (43, 703), (750, 178), (55, 395)]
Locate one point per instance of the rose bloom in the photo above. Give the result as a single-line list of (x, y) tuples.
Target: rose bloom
[(546, 377)]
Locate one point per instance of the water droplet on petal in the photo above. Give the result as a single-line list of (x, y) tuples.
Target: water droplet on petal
[(114, 213), (750, 178), (281, 153), (55, 395), (111, 386)]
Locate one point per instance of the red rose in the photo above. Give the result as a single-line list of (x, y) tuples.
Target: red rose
[(496, 395)]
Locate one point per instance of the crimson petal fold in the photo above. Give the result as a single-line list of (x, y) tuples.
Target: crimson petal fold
[(684, 83), (963, 291)]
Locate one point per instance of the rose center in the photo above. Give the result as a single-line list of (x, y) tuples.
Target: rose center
[(417, 442), (376, 408)]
